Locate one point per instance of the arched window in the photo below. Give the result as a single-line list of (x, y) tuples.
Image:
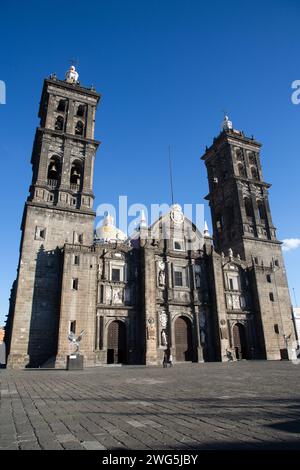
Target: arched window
[(59, 123), (239, 155), (248, 207), (76, 173), (252, 159), (254, 173), (261, 210), (79, 128), (53, 171), (62, 106), (80, 110), (241, 170)]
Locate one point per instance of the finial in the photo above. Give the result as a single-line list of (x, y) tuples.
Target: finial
[(226, 124), (230, 254), (143, 222), (206, 231), (72, 75)]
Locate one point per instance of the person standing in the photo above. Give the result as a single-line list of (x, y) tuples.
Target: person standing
[(165, 361)]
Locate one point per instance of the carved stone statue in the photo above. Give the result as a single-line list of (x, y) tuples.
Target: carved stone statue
[(75, 340), (164, 338), (161, 278), (163, 319)]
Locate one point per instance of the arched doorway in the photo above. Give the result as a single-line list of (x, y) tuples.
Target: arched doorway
[(183, 340), (240, 341), (116, 343)]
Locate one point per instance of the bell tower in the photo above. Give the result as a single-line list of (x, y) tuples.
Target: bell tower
[(238, 195), (243, 226), (59, 210)]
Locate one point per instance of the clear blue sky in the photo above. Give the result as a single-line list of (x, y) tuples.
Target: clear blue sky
[(166, 70)]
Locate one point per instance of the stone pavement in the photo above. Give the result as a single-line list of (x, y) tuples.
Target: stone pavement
[(245, 405)]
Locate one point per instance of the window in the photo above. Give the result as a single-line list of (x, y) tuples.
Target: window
[(233, 282), (80, 110), (269, 279), (77, 237), (40, 233), (115, 275), (241, 170), (73, 326), (219, 222), (79, 128), (76, 260), (248, 207), (252, 159), (62, 105), (276, 328), (178, 278), (59, 123), (239, 155), (75, 176), (178, 245), (53, 171), (254, 173), (276, 263), (75, 284), (271, 295), (261, 210)]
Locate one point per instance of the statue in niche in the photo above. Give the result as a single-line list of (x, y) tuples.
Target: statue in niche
[(164, 338), (162, 278), (163, 319)]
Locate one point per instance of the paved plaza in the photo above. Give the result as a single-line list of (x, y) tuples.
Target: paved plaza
[(244, 405)]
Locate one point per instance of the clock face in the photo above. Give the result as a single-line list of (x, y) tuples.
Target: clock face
[(177, 216)]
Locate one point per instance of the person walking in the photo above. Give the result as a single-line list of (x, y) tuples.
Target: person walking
[(171, 360)]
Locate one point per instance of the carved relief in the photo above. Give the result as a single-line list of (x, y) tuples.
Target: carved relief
[(245, 188), (235, 302), (117, 295), (163, 319)]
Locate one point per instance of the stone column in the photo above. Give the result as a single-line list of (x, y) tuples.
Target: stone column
[(70, 118), (150, 305)]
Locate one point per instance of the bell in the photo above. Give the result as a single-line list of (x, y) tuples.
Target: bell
[(76, 173), (53, 168)]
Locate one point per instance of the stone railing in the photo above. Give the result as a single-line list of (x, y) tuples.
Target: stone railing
[(52, 183)]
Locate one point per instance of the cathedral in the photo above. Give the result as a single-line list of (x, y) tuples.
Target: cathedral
[(170, 287)]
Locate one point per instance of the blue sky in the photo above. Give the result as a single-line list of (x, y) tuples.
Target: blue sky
[(166, 70)]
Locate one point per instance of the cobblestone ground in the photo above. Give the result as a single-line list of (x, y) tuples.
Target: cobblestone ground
[(245, 405)]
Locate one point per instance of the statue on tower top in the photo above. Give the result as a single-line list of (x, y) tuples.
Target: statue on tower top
[(226, 124), (72, 75)]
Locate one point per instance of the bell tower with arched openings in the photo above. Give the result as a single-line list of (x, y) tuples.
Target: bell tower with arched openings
[(238, 194), (59, 210), (64, 147), (243, 228)]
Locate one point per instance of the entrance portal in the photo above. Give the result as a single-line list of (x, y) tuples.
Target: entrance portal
[(116, 343), (240, 341), (183, 340)]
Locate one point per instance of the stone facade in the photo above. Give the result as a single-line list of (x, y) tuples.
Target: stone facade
[(170, 289)]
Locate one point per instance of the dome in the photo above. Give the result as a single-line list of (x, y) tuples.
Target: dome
[(108, 232)]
